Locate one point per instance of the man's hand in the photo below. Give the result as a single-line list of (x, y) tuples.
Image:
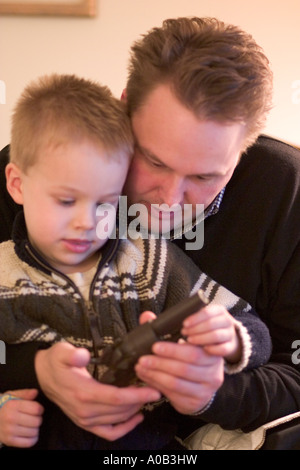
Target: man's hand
[(105, 410), (185, 374)]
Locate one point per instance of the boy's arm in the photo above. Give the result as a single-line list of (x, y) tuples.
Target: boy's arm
[(255, 341), (243, 341)]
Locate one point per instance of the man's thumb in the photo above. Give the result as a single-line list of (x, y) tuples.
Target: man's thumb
[(75, 357)]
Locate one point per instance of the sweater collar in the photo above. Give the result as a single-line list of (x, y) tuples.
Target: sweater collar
[(212, 209)]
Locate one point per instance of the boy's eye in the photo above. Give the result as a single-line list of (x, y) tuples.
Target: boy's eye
[(66, 202)]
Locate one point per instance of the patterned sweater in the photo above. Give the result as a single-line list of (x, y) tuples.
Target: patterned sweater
[(42, 305)]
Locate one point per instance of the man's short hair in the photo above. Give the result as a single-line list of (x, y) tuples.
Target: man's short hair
[(214, 69)]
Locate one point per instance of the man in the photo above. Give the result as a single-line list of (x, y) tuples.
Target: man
[(198, 94)]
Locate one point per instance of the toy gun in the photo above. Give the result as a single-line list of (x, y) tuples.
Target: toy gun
[(121, 358)]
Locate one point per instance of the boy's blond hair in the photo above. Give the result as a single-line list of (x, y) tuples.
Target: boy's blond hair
[(214, 69), (59, 108)]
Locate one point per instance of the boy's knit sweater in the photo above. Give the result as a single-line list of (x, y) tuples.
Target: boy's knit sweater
[(38, 304)]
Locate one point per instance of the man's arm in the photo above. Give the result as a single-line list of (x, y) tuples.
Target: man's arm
[(18, 370), (252, 247), (264, 394)]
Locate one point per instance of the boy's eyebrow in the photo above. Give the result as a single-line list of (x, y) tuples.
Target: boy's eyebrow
[(76, 191)]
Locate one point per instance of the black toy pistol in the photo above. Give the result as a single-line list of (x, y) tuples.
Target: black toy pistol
[(122, 357)]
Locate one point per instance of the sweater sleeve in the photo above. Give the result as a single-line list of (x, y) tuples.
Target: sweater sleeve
[(255, 341)]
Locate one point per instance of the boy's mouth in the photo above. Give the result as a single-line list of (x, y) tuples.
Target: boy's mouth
[(77, 245)]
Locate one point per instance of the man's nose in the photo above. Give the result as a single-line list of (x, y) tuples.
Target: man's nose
[(173, 190)]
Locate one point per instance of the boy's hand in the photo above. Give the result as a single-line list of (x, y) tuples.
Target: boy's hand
[(20, 420), (213, 328)]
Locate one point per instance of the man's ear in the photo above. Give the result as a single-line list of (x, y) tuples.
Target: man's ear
[(14, 182)]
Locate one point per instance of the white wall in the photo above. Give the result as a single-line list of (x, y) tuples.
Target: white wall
[(98, 48)]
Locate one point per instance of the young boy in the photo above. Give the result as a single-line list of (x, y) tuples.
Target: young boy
[(61, 281)]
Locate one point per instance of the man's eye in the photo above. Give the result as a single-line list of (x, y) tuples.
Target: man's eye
[(156, 164), (203, 178), (148, 158)]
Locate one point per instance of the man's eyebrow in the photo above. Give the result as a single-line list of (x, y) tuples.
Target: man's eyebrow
[(148, 153), (212, 174)]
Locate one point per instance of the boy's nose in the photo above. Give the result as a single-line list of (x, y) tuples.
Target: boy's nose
[(86, 219)]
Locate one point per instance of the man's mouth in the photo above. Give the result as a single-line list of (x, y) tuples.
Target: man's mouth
[(164, 212)]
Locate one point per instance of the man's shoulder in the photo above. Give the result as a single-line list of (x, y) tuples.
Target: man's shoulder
[(4, 153), (268, 149), (267, 164)]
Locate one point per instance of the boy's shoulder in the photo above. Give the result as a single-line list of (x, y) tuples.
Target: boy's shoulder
[(9, 262), (156, 254)]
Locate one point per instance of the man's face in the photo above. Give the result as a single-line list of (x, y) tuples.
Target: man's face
[(178, 158)]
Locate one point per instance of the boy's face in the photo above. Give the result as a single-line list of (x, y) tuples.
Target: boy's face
[(60, 196)]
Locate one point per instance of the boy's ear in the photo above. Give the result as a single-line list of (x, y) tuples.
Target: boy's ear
[(14, 182), (124, 95)]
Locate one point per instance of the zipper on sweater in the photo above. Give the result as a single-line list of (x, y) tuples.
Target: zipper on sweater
[(60, 274), (88, 307), (53, 270)]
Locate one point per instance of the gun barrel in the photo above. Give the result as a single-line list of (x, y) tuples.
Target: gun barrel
[(172, 317)]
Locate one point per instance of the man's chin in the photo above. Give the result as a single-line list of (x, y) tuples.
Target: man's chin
[(159, 219)]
